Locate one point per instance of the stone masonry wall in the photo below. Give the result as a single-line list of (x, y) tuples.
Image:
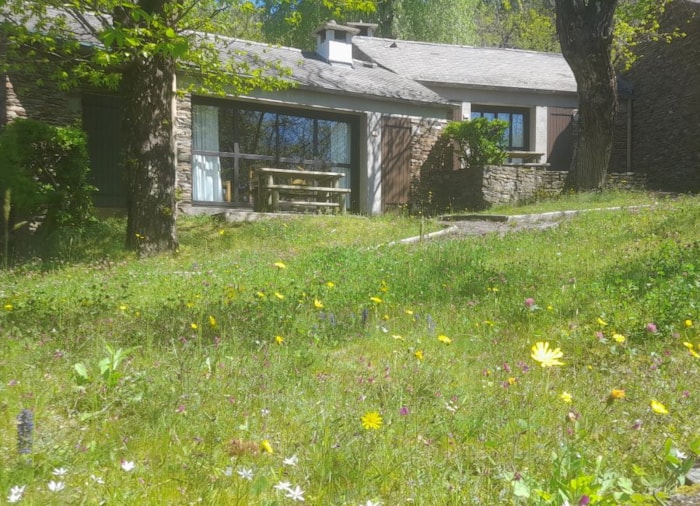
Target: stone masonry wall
[(513, 183), (424, 134), (183, 136), (22, 97)]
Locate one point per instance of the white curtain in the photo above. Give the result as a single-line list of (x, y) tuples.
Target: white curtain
[(206, 170), (340, 150)]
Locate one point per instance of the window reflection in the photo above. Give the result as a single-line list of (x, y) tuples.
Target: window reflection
[(231, 140)]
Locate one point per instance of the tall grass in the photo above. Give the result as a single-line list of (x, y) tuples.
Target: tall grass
[(252, 356)]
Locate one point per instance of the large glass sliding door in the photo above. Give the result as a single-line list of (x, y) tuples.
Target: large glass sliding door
[(232, 139)]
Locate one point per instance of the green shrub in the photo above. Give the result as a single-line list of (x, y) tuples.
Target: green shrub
[(46, 168), (480, 141)]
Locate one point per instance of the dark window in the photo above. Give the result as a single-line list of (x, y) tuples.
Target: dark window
[(517, 136)]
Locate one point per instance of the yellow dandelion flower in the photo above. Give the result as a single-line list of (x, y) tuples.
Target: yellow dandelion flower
[(419, 354), (691, 350), (190, 304), (371, 420), (212, 321), (688, 323), (617, 394), (265, 446), (279, 296), (512, 381), (194, 326), (376, 300), (279, 339), (383, 286), (222, 232), (444, 339), (318, 304), (566, 397), (619, 338), (123, 307), (330, 284), (8, 307), (280, 265), (601, 322), (658, 408), (408, 312), (260, 295), (546, 356)]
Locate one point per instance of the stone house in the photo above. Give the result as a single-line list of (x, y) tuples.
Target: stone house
[(665, 106), (534, 91), (357, 106)]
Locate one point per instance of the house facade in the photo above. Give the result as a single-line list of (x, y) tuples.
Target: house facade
[(341, 115), (369, 108), (534, 92)]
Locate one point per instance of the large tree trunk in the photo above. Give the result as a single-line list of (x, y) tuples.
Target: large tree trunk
[(149, 153), (585, 29)]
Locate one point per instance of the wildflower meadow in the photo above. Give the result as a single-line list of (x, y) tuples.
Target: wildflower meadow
[(316, 360)]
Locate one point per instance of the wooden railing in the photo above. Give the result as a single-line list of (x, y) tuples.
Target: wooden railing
[(280, 189)]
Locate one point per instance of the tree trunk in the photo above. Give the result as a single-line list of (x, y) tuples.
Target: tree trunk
[(147, 87), (585, 29)]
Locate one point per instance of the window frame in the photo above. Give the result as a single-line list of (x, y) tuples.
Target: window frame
[(351, 166), (479, 110)]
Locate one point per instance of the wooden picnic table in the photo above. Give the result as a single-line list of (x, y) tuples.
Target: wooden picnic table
[(293, 188)]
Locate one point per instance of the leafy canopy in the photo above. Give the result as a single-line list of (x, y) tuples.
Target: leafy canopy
[(91, 42)]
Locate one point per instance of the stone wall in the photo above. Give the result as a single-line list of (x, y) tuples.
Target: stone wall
[(666, 108), (514, 184), (424, 134), (183, 136), (26, 96), (440, 188)]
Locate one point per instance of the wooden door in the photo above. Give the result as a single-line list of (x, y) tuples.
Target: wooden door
[(396, 162), (560, 137)]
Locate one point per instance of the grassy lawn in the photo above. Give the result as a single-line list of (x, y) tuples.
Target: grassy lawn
[(308, 358)]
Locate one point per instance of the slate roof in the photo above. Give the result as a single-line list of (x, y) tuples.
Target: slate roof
[(310, 71), (469, 67)]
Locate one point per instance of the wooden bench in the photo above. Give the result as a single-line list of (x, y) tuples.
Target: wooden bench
[(294, 189)]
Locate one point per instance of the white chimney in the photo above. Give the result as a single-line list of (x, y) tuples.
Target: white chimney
[(334, 42)]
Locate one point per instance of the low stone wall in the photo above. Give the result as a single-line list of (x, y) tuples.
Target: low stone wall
[(518, 184), (515, 184), (626, 181)]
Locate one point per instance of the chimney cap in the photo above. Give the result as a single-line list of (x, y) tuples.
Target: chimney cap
[(332, 25), (361, 24)]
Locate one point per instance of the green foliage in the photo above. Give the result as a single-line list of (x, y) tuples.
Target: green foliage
[(46, 168), (521, 24), (448, 21), (638, 21), (480, 141)]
